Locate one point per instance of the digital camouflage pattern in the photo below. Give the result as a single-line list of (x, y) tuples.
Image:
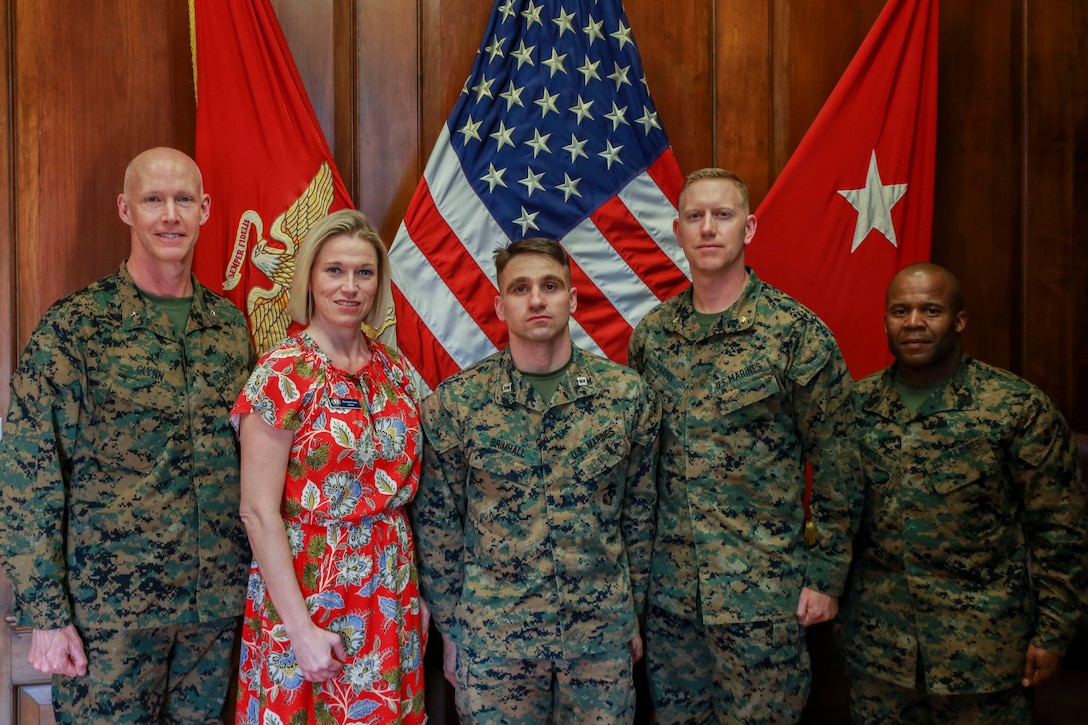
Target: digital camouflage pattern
[(957, 494), (879, 702), (744, 405), (751, 672), (184, 673), (118, 467), (501, 691), (535, 519)]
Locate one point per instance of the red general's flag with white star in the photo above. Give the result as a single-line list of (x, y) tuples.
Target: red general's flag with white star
[(855, 202), (554, 135)]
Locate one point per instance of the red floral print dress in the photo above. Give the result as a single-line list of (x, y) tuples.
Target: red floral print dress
[(353, 467)]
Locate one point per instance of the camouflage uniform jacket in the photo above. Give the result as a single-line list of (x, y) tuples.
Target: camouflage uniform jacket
[(118, 468), (956, 496), (744, 405), (534, 520)]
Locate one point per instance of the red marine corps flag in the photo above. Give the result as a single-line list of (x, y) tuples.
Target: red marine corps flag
[(554, 135), (266, 164), (855, 202)]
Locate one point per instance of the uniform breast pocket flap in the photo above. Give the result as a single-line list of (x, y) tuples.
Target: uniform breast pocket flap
[(140, 390), (874, 463), (663, 383), (504, 481), (734, 396), (963, 465), (227, 381), (602, 457), (493, 462), (133, 413)]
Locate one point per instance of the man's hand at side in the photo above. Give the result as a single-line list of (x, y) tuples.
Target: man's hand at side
[(58, 651), (813, 607)]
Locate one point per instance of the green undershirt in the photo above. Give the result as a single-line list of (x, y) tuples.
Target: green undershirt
[(706, 320), (914, 395), (545, 384), (176, 309)]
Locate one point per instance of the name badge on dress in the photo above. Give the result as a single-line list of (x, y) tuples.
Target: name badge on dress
[(345, 403)]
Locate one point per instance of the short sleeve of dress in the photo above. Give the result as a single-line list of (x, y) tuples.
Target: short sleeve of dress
[(277, 387)]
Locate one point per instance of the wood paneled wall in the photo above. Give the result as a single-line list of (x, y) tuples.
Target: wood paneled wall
[(85, 86), (91, 85), (1012, 126), (1052, 348), (7, 220)]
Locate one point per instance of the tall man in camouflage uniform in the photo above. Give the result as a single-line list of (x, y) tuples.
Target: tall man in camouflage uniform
[(535, 512), (752, 386), (968, 469), (119, 520)]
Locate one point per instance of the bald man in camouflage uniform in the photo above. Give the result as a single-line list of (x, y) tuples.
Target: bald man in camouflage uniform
[(970, 473), (534, 515), (119, 490), (752, 386)]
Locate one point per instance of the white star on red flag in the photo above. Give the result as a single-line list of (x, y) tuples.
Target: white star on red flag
[(814, 220), (874, 203)]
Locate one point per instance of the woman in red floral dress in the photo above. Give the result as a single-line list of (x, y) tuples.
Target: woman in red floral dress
[(330, 439)]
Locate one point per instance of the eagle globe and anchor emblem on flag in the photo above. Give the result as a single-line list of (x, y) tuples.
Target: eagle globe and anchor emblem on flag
[(266, 307)]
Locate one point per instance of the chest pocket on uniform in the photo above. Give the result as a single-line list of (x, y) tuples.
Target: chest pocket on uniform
[(498, 473), (505, 484), (975, 501), (228, 381), (735, 396), (602, 468), (751, 408), (664, 383), (134, 421), (971, 462), (875, 466), (602, 457), (879, 494)]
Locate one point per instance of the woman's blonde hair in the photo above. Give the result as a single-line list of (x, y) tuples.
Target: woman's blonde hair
[(347, 223)]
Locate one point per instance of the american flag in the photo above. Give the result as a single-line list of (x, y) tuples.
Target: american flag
[(554, 135)]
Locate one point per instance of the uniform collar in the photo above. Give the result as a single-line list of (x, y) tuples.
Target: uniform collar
[(958, 394), (137, 312), (511, 387), (740, 316)]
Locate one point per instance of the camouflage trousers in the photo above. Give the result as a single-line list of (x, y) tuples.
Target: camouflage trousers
[(593, 689), (176, 675), (873, 700), (753, 672)]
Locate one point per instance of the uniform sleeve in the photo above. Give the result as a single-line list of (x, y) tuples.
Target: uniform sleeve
[(438, 514), (1047, 471), (636, 346), (40, 434), (824, 407), (639, 509)]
